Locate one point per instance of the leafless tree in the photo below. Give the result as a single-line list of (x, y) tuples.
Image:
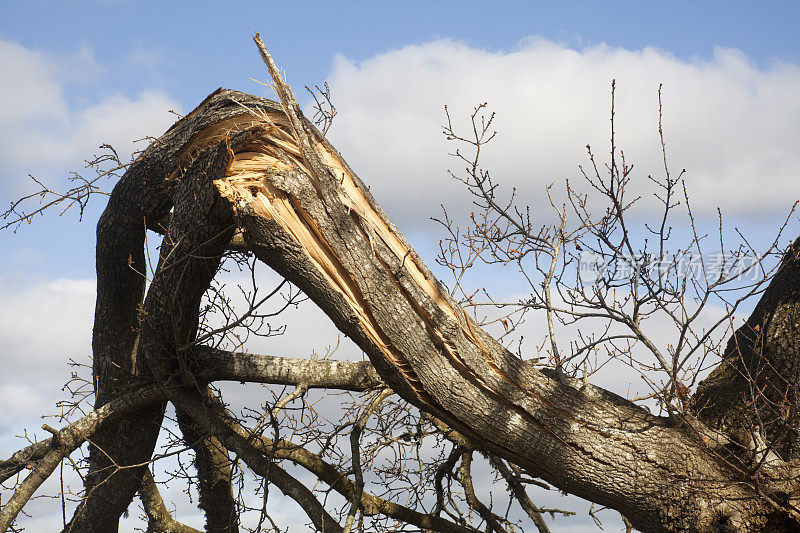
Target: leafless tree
[(242, 180)]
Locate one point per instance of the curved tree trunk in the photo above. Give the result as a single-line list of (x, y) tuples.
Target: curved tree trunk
[(306, 214), (135, 338)]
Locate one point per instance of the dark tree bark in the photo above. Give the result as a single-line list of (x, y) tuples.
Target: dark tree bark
[(213, 466), (238, 161), (755, 388), (137, 340)]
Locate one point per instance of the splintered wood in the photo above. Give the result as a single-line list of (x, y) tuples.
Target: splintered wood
[(247, 184)]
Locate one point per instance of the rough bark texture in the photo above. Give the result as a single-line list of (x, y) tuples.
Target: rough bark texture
[(755, 388), (213, 477), (122, 343), (212, 364), (305, 213)]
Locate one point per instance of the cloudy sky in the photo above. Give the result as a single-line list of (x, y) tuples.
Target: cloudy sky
[(74, 75)]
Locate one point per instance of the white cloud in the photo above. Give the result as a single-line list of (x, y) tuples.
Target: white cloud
[(41, 327), (734, 126), (43, 131), (42, 322), (31, 88), (145, 56)]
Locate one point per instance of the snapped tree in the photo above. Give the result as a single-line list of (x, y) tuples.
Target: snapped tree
[(252, 178)]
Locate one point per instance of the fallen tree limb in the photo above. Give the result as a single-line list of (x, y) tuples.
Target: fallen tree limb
[(300, 209), (214, 476), (305, 213), (214, 365)]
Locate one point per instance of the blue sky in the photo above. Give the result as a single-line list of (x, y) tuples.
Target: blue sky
[(195, 46), (76, 74)]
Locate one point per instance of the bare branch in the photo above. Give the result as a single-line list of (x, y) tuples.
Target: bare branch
[(214, 364)]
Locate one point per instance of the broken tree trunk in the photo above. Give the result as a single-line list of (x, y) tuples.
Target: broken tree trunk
[(301, 209), (305, 213)]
